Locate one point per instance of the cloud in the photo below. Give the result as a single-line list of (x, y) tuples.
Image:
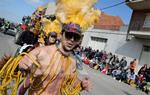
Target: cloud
[(34, 2)]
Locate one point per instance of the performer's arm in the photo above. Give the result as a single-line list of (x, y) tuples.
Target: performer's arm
[(26, 62), (85, 84), (26, 65)]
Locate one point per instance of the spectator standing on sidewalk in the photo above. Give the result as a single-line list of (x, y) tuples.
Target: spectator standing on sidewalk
[(123, 62), (133, 65)]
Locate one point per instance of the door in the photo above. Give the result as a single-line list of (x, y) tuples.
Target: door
[(97, 43), (145, 56)]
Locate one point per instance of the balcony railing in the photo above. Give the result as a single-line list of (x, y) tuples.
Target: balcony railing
[(138, 4), (140, 34)]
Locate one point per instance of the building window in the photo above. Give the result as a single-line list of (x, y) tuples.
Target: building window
[(147, 48), (147, 21), (97, 43), (98, 39)]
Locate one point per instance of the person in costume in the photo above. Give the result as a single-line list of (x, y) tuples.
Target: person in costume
[(51, 28), (51, 39), (36, 23), (57, 74)]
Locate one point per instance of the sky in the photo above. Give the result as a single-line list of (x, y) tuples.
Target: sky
[(14, 10)]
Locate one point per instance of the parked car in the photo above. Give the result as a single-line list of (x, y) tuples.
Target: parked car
[(2, 29), (11, 31)]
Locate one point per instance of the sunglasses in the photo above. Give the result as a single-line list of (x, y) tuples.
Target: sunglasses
[(69, 35), (53, 36)]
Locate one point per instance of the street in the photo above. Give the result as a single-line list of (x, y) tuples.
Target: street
[(7, 45), (102, 84), (106, 85)]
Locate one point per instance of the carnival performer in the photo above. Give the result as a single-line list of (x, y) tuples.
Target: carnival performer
[(57, 74), (36, 23), (51, 70), (51, 27), (51, 39)]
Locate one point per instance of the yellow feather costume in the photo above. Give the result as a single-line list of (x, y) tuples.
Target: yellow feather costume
[(80, 12), (51, 26)]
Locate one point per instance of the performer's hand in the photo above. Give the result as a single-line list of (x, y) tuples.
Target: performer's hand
[(86, 84)]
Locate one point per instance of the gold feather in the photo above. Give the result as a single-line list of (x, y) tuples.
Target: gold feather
[(51, 26), (40, 8), (81, 12)]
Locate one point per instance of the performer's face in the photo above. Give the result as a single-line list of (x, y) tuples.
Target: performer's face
[(52, 39), (70, 40)]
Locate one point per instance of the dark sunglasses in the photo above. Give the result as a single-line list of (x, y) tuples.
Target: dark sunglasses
[(53, 36), (75, 36)]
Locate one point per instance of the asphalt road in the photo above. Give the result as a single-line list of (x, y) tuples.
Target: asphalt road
[(106, 85), (102, 84), (7, 45)]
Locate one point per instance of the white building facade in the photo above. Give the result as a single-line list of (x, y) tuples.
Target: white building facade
[(115, 42)]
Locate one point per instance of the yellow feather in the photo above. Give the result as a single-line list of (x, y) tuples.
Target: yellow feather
[(49, 26), (81, 12), (40, 8)]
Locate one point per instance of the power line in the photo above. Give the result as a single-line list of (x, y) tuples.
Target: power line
[(113, 5)]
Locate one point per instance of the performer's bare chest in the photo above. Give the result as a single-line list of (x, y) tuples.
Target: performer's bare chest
[(50, 64)]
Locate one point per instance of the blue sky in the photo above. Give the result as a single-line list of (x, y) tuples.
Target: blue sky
[(14, 10)]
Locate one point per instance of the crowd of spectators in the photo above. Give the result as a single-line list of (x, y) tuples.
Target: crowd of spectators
[(118, 68)]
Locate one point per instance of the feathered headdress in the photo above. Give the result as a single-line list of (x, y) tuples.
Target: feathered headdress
[(80, 12), (51, 24), (40, 8)]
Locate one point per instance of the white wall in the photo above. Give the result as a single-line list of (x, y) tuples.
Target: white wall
[(114, 39), (117, 43)]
